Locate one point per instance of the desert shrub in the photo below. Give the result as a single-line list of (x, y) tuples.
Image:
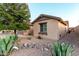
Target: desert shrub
[(6, 44), (61, 49), (39, 37)]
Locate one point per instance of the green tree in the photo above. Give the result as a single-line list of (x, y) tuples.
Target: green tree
[(14, 16)]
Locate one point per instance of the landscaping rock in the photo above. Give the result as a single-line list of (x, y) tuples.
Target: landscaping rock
[(15, 48), (38, 46), (33, 45), (26, 45), (49, 46), (45, 49)]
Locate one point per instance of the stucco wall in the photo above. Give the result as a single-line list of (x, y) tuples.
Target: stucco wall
[(52, 29), (62, 29)]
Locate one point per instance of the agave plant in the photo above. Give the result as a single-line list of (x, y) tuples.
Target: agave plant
[(7, 45), (61, 49)]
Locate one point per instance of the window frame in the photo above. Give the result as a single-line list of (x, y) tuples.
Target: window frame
[(43, 28)]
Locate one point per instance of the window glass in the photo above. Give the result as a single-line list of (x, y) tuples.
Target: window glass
[(43, 27)]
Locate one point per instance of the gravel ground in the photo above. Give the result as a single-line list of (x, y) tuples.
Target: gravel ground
[(30, 52), (33, 51), (73, 39)]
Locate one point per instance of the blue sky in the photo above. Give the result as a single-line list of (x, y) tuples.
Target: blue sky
[(65, 11)]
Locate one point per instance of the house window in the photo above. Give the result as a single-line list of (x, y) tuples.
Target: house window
[(43, 27)]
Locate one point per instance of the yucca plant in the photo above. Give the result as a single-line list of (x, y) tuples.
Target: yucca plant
[(7, 45), (61, 49), (13, 37)]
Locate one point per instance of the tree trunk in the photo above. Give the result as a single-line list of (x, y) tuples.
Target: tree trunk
[(15, 31)]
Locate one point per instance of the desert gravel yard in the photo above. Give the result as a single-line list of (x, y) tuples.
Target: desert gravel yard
[(30, 52), (30, 46), (42, 47), (33, 47)]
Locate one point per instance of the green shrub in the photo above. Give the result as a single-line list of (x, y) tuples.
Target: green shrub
[(61, 49), (6, 44)]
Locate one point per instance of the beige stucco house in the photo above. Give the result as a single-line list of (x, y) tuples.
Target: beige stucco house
[(50, 27)]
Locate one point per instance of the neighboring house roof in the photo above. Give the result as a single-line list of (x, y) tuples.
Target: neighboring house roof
[(50, 17)]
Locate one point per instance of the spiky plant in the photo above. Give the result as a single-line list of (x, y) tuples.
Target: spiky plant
[(7, 45), (61, 49)]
